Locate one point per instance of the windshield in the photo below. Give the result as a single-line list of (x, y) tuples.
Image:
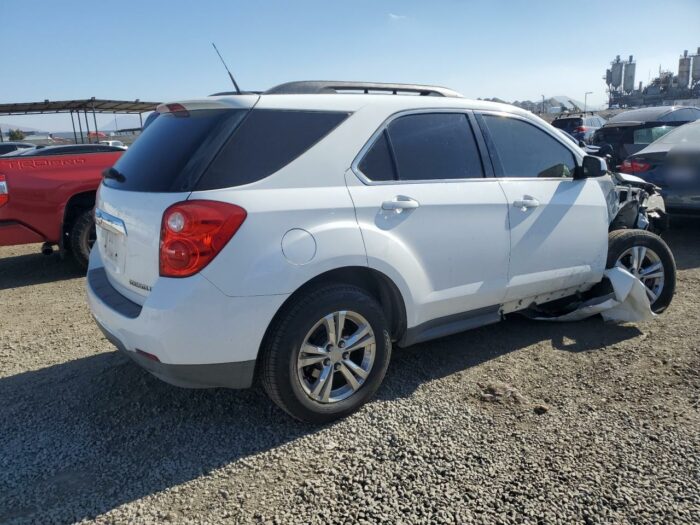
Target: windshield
[(688, 133), (649, 135)]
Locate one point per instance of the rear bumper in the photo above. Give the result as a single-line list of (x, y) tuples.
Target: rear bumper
[(201, 337), (226, 375)]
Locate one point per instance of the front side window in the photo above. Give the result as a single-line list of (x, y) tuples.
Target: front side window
[(523, 150), (424, 146)]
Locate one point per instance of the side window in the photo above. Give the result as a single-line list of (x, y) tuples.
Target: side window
[(265, 142), (523, 150), (434, 146), (377, 164)]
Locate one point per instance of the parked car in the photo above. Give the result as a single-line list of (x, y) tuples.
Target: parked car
[(115, 143), (66, 149), (631, 131), (298, 234), (8, 147), (580, 126), (47, 195), (672, 163)]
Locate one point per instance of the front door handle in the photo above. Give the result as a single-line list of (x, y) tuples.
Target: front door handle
[(400, 203), (526, 202)]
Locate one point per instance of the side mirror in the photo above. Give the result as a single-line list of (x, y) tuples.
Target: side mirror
[(592, 167)]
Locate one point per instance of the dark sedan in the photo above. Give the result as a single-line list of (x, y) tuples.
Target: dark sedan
[(8, 147), (631, 131), (672, 163)]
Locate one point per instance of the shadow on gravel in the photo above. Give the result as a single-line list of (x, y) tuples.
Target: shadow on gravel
[(410, 367), (35, 268), (81, 438), (683, 237)]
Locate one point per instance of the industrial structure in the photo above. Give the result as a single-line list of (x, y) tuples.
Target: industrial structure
[(667, 88)]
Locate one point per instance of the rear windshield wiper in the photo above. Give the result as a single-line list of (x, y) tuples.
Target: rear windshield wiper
[(112, 173)]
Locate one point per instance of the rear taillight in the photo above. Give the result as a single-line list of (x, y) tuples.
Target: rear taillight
[(4, 195), (581, 129), (634, 166), (194, 232)]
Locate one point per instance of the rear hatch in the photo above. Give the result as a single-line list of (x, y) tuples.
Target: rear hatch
[(159, 169), (570, 125)]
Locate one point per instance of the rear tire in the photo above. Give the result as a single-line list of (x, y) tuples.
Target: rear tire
[(315, 375), (652, 254), (82, 237)]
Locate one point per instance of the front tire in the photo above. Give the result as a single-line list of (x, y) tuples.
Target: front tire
[(326, 354), (646, 256)]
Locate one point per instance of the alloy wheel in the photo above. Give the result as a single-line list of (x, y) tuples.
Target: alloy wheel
[(336, 357)]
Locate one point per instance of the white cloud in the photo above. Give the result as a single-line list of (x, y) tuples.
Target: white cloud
[(393, 16)]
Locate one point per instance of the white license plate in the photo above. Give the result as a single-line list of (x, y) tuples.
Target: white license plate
[(112, 249)]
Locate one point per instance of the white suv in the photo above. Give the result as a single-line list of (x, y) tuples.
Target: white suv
[(297, 234)]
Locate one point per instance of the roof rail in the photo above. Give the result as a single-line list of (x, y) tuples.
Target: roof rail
[(312, 87)]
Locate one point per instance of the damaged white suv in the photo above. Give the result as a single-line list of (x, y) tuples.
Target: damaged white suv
[(298, 234)]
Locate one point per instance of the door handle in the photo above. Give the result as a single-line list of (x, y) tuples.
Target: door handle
[(526, 202), (400, 203)]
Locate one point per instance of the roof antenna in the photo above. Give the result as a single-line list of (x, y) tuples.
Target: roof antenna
[(227, 69)]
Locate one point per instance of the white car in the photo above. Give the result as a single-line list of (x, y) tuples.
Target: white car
[(300, 233), (115, 143)]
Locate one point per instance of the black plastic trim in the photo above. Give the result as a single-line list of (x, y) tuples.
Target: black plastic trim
[(451, 324), (103, 289)]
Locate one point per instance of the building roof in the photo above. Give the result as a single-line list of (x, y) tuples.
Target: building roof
[(90, 104)]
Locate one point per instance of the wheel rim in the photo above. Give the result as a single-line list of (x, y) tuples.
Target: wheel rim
[(336, 357), (645, 264), (88, 239)]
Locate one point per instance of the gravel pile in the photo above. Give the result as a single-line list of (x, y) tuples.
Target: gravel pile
[(520, 422)]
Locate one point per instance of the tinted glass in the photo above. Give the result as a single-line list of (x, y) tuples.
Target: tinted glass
[(687, 134), (377, 163), (431, 146), (6, 148), (523, 150), (567, 124), (682, 115), (174, 150), (649, 135), (265, 142)]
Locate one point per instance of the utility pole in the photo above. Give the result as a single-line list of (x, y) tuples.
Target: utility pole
[(542, 105), (585, 100)]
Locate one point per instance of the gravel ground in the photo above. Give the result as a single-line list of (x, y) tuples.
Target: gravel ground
[(520, 422)]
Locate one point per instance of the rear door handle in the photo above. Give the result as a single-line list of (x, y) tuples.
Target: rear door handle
[(526, 202), (400, 203)]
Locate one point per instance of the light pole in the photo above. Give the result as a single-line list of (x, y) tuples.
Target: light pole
[(543, 104), (585, 100)]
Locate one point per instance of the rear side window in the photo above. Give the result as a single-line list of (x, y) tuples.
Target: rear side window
[(425, 146), (378, 163), (172, 152), (523, 150), (266, 141)]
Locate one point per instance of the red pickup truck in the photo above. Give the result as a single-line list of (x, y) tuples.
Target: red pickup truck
[(47, 195)]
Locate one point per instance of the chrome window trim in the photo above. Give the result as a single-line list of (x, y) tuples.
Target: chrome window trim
[(355, 166)]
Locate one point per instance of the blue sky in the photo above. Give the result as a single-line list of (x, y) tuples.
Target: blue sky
[(160, 50)]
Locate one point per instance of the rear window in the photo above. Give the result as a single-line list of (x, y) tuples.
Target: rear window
[(567, 124), (265, 142), (649, 135), (171, 154)]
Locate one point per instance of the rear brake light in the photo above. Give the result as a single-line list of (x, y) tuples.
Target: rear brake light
[(4, 195), (192, 233), (634, 166), (581, 129), (177, 110)]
